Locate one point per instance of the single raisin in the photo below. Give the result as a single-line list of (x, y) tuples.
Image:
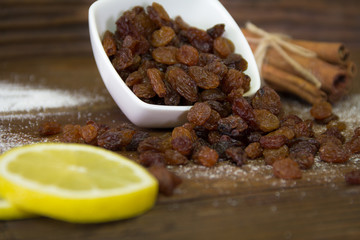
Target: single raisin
[(267, 98), (206, 156), (167, 180), (266, 121), (166, 55), (254, 150), (156, 79), (321, 110), (188, 55), (236, 155), (203, 78), (286, 169), (333, 153), (49, 128), (353, 177), (199, 113), (162, 37), (274, 141)]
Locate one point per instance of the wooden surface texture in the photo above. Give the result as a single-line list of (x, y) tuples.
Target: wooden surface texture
[(46, 43)]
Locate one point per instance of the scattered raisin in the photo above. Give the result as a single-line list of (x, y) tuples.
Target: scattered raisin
[(321, 110), (167, 180), (236, 155), (286, 168), (353, 177), (206, 156), (49, 128)]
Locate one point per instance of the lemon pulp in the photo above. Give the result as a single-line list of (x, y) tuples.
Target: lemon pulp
[(76, 183)]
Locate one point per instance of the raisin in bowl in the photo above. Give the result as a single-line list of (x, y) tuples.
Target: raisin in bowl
[(133, 100)]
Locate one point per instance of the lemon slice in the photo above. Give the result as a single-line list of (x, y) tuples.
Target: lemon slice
[(75, 182), (9, 212)]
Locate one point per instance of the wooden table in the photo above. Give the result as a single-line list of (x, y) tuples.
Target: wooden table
[(45, 43)]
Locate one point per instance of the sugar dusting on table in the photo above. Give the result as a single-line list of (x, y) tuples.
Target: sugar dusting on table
[(30, 104)]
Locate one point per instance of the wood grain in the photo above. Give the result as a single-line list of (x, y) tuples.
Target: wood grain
[(45, 42)]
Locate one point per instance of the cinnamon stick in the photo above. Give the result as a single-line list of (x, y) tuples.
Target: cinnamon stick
[(286, 82), (332, 52), (335, 79)]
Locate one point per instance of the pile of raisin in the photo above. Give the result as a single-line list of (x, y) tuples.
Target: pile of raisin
[(165, 61)]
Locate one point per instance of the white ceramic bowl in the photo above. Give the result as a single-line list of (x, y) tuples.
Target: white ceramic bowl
[(202, 14)]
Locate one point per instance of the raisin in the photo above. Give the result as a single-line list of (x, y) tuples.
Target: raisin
[(254, 137), (274, 141), (151, 158), (138, 137), (341, 126), (228, 124), (144, 90), (223, 47), (181, 23), (183, 83), (353, 177), (71, 134), (212, 122), (213, 137), (236, 155), (333, 153), (89, 133), (166, 179), (266, 121), (286, 131), (290, 121), (199, 113), (134, 78), (273, 155), (182, 144), (354, 144), (243, 108), (49, 128), (109, 43), (335, 132), (171, 97), (267, 98), (207, 58), (115, 139), (162, 37), (206, 156), (321, 110), (218, 68), (304, 129), (182, 132), (304, 159), (188, 55), (254, 150), (123, 59), (156, 79), (166, 55), (286, 169), (212, 95), (151, 143), (158, 14), (323, 138), (224, 109), (236, 61), (203, 78), (216, 31), (199, 39), (173, 157), (235, 79)]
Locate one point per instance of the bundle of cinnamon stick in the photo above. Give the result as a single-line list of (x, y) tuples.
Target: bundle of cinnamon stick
[(330, 65)]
